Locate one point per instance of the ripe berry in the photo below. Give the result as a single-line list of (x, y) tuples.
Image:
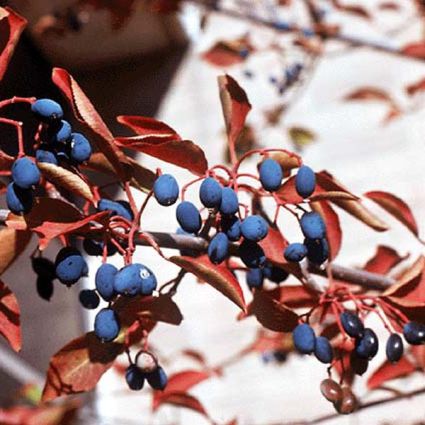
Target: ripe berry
[(254, 278), (44, 267), (18, 200), (317, 250), (229, 201), (231, 225), (80, 148), (254, 228), (89, 299), (218, 248), (295, 252), (134, 377), (104, 281), (44, 287), (305, 181), (166, 190), (25, 173), (414, 333), (313, 226), (44, 155), (70, 265), (188, 217), (275, 274), (352, 324), (116, 208), (304, 338), (47, 110), (251, 254), (367, 345), (394, 348), (210, 193), (348, 403), (331, 390), (323, 350), (270, 174), (95, 248), (60, 132), (157, 379), (106, 325), (135, 279)]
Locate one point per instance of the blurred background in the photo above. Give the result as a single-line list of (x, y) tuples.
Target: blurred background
[(130, 59)]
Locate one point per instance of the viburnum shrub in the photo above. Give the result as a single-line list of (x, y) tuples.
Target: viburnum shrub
[(51, 195)]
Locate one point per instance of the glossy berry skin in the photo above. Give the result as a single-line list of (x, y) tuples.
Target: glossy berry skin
[(18, 200), (231, 225), (304, 338), (70, 265), (135, 279), (42, 155), (80, 148), (254, 278), (271, 175), (367, 346), (61, 132), (134, 377), (166, 190), (188, 217), (106, 325), (115, 207), (317, 250), (95, 248), (352, 324), (104, 281), (414, 333), (210, 193), (218, 248), (251, 254), (47, 110), (331, 390), (157, 379), (323, 350), (25, 173), (313, 226), (394, 348), (254, 228), (348, 403), (229, 201), (89, 299), (295, 252), (305, 181)]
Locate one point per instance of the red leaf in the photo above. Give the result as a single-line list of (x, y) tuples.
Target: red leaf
[(267, 340), (11, 27), (352, 9), (396, 207), (87, 114), (416, 87), (145, 126), (416, 50), (418, 352), (287, 192), (12, 244), (388, 371), (182, 399), (218, 276), (228, 53), (182, 153), (383, 261), (195, 355), (235, 105), (389, 5), (369, 93), (10, 325)]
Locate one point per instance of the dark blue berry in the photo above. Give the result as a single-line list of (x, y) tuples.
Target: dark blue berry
[(80, 148), (44, 155), (254, 228), (89, 299), (271, 174), (304, 338), (254, 278), (106, 325), (134, 377), (70, 265), (210, 193), (229, 201), (25, 173), (367, 345), (394, 348), (135, 279), (218, 248), (60, 132), (104, 281), (305, 181), (18, 200), (188, 217), (95, 248), (351, 324), (295, 252), (251, 254), (116, 208), (313, 226), (157, 379), (414, 333), (323, 350), (47, 110), (231, 225), (166, 190), (317, 250)]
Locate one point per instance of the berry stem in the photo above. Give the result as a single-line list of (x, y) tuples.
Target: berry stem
[(18, 126)]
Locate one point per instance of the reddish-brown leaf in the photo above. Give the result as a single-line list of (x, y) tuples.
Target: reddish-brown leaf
[(195, 355), (416, 87), (146, 126), (228, 53), (218, 276), (287, 192), (388, 371), (331, 195), (181, 399), (267, 340), (389, 5), (10, 325), (396, 207), (370, 94), (416, 50), (12, 244), (87, 114), (182, 153), (384, 259), (352, 9), (287, 161)]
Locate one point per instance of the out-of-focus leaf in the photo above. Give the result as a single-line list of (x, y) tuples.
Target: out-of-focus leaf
[(416, 87), (287, 161), (384, 259), (10, 324), (181, 399), (228, 52), (352, 9), (301, 137), (388, 371), (416, 50)]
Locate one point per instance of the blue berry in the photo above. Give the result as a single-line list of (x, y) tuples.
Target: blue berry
[(106, 325), (116, 208), (157, 379), (95, 248), (305, 181), (44, 154), (80, 148), (271, 175), (414, 333), (323, 350), (394, 348), (18, 200), (210, 193), (61, 132), (25, 173), (252, 255), (295, 252), (352, 324), (188, 217), (135, 279), (231, 225), (254, 228), (134, 377), (70, 265), (229, 201), (313, 226), (304, 338), (317, 250), (47, 110), (104, 281), (254, 278), (367, 345), (218, 248), (89, 299), (166, 190)]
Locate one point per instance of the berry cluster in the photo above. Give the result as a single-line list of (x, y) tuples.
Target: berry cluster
[(145, 367)]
